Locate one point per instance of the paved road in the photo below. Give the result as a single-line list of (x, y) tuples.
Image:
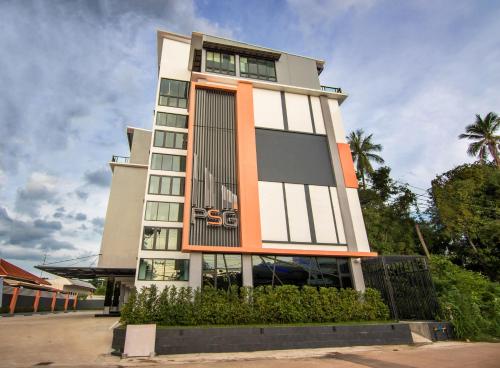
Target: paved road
[(80, 340)]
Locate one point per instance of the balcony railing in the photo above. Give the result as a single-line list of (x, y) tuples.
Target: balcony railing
[(120, 159), (331, 89)]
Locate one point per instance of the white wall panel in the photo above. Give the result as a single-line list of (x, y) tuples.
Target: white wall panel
[(319, 123), (298, 220), (268, 112), (338, 215), (175, 60), (298, 113), (357, 219), (272, 211), (338, 125), (324, 225)]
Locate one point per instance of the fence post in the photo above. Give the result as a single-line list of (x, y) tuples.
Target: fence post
[(13, 301), (37, 301), (53, 305), (75, 301), (1, 291), (66, 302)]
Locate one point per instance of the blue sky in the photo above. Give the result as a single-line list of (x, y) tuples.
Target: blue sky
[(74, 74)]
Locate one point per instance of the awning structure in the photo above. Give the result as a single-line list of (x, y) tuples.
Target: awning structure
[(87, 272)]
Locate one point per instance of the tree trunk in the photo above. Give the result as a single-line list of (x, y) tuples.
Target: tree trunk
[(472, 244), (494, 153)]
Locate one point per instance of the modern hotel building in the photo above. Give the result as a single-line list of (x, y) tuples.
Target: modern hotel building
[(246, 177)]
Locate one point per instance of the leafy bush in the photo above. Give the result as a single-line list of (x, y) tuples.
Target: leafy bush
[(240, 306), (469, 300)]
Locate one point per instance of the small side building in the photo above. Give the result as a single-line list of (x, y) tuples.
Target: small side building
[(75, 286)]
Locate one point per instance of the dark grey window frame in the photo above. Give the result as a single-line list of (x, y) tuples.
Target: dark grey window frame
[(183, 270), (219, 67), (164, 141), (180, 120), (178, 99), (179, 214), (165, 156), (258, 63), (157, 231), (164, 177)]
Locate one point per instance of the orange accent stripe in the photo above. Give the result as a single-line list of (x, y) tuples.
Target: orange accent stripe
[(248, 180), (13, 301), (350, 179), (215, 249)]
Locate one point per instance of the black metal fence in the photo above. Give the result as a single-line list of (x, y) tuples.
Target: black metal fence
[(405, 284)]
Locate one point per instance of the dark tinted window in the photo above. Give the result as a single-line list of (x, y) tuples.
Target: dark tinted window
[(173, 93)]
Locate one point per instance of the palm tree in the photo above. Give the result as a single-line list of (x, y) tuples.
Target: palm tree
[(363, 149), (483, 132)]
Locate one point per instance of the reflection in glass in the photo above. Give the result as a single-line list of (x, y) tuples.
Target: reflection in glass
[(222, 271), (300, 271)]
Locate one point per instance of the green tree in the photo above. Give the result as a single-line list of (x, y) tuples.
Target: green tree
[(484, 134), (466, 210), (363, 152)]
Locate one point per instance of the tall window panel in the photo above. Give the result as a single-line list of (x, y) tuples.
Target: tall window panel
[(170, 140), (163, 270), (218, 62), (171, 120), (222, 271), (257, 68), (166, 185), (163, 211), (165, 162), (161, 238), (173, 93)]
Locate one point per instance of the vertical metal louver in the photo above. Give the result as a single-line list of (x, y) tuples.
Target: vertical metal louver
[(214, 181)]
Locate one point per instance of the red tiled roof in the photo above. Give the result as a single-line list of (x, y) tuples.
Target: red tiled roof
[(9, 270)]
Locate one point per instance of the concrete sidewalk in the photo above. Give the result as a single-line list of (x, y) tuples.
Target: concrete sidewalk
[(81, 340)]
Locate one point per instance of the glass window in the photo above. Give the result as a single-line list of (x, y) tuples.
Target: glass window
[(163, 211), (171, 120), (164, 269), (300, 271), (154, 184), (173, 93), (161, 238), (165, 185), (257, 68), (151, 211), (167, 162), (148, 238), (222, 270), (177, 186), (221, 63), (170, 140)]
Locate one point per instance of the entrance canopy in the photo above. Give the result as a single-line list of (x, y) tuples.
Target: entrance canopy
[(87, 272)]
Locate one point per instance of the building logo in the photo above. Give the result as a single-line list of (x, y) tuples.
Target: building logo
[(214, 217)]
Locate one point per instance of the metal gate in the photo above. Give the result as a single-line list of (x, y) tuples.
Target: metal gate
[(405, 284)]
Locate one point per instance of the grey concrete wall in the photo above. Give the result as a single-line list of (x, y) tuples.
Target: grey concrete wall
[(297, 71), (139, 152), (122, 226), (233, 339)]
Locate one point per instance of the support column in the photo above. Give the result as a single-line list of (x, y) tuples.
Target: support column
[(357, 274), (246, 260), (75, 301), (37, 301), (1, 291), (53, 305), (66, 301), (108, 297), (195, 269), (13, 301)]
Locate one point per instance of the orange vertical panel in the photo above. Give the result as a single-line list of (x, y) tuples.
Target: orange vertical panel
[(350, 179), (66, 302), (248, 188), (53, 305)]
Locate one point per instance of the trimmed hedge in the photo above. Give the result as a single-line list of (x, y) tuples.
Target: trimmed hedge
[(261, 305)]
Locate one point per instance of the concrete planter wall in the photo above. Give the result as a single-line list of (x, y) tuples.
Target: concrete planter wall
[(234, 339)]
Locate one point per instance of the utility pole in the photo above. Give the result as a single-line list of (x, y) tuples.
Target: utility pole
[(422, 241), (44, 259)]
